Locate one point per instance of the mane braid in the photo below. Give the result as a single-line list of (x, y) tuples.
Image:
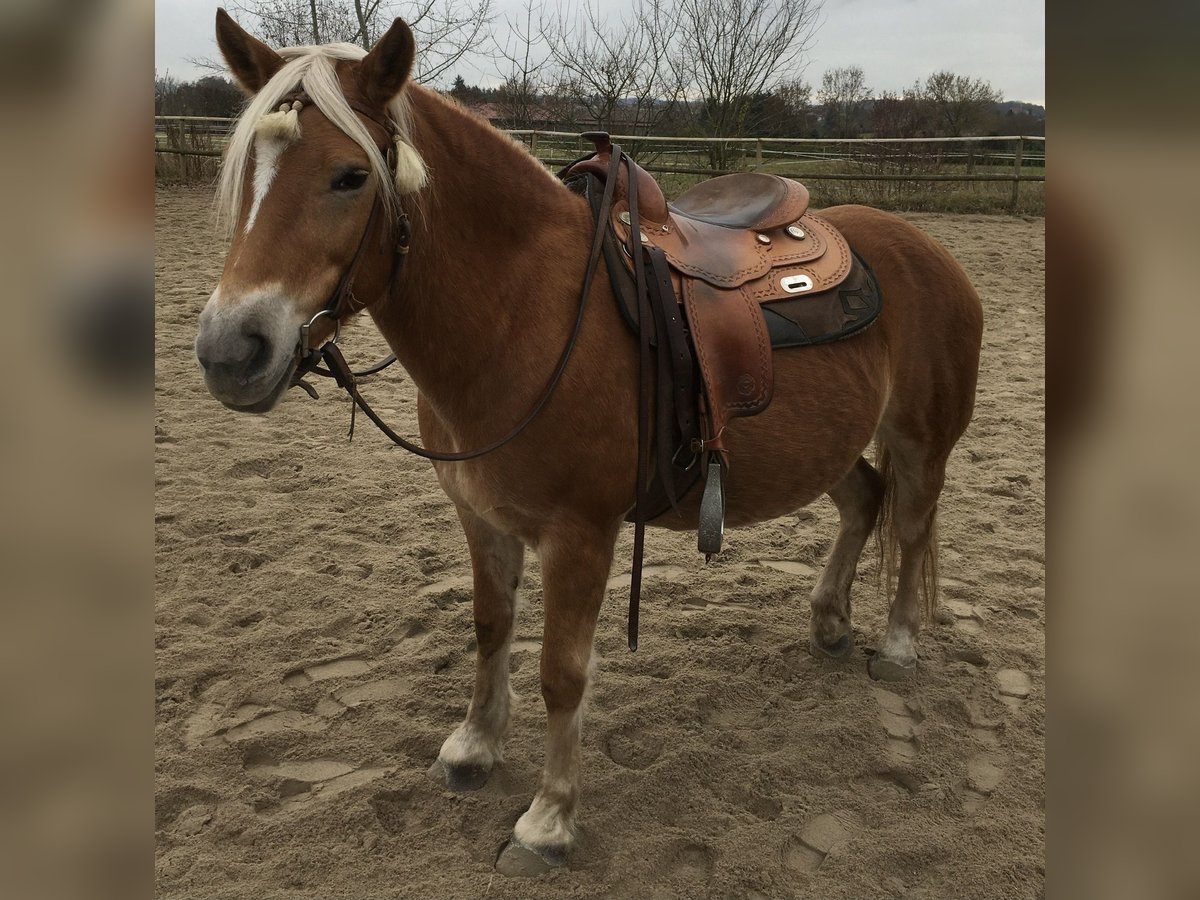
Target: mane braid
[(311, 69)]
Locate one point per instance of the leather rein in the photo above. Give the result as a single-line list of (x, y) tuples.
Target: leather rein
[(342, 303)]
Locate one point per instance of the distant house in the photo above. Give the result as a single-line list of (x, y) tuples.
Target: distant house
[(502, 116)]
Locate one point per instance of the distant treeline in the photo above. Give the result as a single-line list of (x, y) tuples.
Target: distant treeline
[(944, 104)]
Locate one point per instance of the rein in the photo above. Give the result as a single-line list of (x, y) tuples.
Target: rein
[(340, 301)]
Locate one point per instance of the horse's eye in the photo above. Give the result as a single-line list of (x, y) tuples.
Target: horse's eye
[(350, 181)]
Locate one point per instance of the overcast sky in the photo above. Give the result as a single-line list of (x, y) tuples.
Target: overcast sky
[(894, 41)]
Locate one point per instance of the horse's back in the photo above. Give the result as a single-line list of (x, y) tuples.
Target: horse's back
[(920, 279)]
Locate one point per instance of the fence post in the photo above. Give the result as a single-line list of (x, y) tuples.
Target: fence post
[(758, 154), (1017, 173)]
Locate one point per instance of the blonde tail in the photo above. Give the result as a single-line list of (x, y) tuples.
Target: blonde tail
[(889, 543)]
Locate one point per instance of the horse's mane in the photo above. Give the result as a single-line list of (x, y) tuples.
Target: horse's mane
[(313, 70)]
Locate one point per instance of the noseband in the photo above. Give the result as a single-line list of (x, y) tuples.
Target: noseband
[(342, 303)]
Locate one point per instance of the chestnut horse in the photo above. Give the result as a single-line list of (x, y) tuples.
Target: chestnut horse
[(479, 318)]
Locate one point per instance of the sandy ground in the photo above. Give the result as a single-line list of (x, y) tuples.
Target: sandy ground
[(314, 647)]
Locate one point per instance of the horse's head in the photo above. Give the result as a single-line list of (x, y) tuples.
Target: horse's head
[(322, 138)]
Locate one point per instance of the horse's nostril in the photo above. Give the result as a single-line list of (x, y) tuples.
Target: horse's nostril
[(237, 357), (260, 352)]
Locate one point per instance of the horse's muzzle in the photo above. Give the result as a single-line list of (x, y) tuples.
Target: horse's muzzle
[(247, 361)]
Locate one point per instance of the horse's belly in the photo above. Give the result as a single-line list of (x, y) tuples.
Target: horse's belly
[(824, 410)]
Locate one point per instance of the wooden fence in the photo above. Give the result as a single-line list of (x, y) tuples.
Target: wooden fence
[(967, 173)]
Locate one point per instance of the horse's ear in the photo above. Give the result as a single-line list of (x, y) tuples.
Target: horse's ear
[(385, 69), (251, 61)]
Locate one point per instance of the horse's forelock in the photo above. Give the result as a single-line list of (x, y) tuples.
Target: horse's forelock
[(312, 69)]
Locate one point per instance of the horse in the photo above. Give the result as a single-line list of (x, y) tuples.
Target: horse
[(479, 314)]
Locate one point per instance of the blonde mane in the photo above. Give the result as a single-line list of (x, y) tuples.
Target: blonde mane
[(311, 69)]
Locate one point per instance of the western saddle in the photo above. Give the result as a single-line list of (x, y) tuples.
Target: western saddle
[(736, 267)]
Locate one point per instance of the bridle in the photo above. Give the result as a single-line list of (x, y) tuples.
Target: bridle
[(342, 303)]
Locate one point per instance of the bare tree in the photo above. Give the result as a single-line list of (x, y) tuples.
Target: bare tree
[(616, 69), (445, 30), (959, 105), (793, 99), (901, 115), (288, 23), (843, 94), (731, 51), (520, 97)]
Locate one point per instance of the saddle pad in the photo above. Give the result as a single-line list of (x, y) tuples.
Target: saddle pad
[(831, 315)]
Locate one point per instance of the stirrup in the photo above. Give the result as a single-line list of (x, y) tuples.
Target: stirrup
[(712, 509)]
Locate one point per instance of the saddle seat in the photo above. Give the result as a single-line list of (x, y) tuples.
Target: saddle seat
[(754, 200)]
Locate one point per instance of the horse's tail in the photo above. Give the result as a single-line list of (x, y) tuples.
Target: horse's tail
[(889, 541)]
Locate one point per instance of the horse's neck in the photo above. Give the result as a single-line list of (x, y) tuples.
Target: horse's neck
[(498, 252)]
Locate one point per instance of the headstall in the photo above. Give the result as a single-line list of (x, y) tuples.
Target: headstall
[(342, 303)]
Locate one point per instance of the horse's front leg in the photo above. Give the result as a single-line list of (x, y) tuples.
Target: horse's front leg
[(575, 569), (476, 745)]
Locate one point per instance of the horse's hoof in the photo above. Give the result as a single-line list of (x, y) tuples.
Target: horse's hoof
[(882, 669), (465, 777), (837, 649), (520, 861)]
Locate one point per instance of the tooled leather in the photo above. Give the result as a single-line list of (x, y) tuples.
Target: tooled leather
[(732, 257), (732, 344), (826, 272), (652, 204)]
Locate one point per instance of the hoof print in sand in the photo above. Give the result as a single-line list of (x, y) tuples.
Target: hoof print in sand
[(192, 820), (303, 781), (1014, 686), (985, 771), (691, 862), (963, 616), (387, 689), (209, 724), (789, 566), (900, 723), (448, 591), (983, 727), (341, 699), (806, 852), (391, 809), (633, 748), (623, 581), (345, 667)]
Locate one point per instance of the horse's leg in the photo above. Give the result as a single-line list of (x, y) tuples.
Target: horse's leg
[(575, 569), (857, 497), (476, 745), (918, 477)]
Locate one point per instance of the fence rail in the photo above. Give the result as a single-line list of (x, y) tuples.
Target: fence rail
[(974, 172)]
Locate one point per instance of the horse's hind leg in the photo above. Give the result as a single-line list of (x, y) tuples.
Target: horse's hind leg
[(476, 745), (916, 475), (858, 497)]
